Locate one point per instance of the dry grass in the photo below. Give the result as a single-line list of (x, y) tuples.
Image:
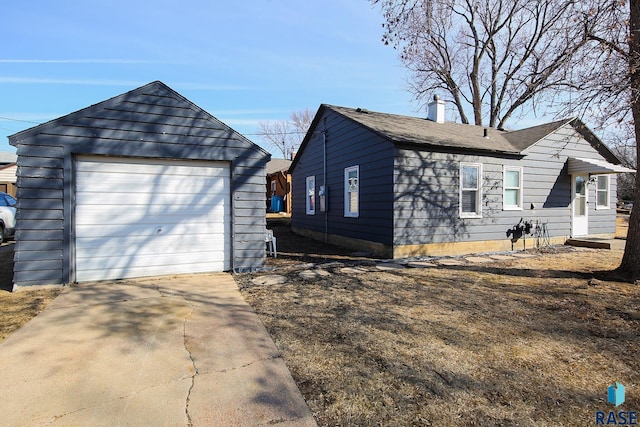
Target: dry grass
[(18, 308), (622, 226), (524, 342)]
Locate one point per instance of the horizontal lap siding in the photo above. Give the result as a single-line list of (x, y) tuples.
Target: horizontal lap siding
[(248, 202), (427, 193), (427, 199), (348, 144), (38, 251), (551, 154), (150, 122)]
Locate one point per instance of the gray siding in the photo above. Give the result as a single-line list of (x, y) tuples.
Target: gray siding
[(427, 199), (152, 122), (427, 193), (549, 156), (347, 144)]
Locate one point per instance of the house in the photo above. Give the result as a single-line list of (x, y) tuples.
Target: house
[(278, 184), (7, 158), (404, 186), (8, 178), (145, 183), (8, 172)]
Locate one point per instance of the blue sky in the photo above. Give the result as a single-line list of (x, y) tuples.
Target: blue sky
[(242, 61)]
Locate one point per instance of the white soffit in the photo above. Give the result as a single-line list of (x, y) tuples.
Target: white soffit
[(580, 165)]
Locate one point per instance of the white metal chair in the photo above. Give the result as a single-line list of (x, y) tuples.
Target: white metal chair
[(270, 240)]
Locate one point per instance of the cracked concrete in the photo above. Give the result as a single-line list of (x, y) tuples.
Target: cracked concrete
[(193, 363), (182, 350)]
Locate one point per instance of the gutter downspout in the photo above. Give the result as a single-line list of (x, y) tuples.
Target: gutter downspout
[(324, 180)]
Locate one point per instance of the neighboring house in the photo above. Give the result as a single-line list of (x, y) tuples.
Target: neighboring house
[(8, 178), (145, 183), (403, 186), (8, 172), (7, 158), (279, 184)]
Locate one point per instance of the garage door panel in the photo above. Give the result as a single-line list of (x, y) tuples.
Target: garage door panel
[(153, 260), (151, 218), (125, 240), (89, 247), (142, 184), (147, 224), (151, 214), (192, 232), (130, 165), (135, 271), (171, 201)]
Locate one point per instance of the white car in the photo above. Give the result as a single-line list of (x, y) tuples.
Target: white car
[(7, 216)]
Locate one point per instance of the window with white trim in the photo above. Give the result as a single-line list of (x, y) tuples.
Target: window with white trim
[(351, 191), (512, 186), (273, 186), (470, 190), (311, 195), (602, 192)]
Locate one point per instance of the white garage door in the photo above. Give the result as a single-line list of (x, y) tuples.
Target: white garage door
[(142, 217)]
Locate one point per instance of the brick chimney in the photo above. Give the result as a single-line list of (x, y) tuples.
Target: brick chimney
[(435, 110)]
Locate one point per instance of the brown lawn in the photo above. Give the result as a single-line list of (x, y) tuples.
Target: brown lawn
[(527, 341), (17, 308)]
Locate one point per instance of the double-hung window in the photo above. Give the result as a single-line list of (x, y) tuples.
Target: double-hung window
[(602, 192), (512, 183), (351, 191), (311, 195), (470, 190)]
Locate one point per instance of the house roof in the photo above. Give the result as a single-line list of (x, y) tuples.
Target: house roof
[(524, 138), (159, 103), (7, 157), (454, 136), (278, 165), (420, 131)]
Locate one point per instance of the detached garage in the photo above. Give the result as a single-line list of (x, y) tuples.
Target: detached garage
[(142, 184)]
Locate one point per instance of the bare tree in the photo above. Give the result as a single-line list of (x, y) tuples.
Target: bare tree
[(492, 57), (609, 86), (605, 81), (623, 145), (286, 135)]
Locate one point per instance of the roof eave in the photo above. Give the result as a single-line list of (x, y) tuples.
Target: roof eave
[(450, 148)]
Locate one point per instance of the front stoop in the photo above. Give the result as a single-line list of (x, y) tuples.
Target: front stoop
[(589, 243)]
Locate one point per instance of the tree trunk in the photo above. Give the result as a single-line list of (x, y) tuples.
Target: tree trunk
[(630, 265)]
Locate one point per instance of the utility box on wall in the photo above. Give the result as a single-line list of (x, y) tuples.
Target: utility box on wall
[(323, 195)]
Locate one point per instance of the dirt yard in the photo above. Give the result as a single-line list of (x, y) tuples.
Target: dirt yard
[(18, 308), (520, 341)]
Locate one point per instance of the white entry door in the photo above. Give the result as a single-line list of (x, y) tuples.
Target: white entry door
[(580, 209)]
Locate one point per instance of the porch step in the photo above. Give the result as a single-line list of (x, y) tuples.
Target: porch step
[(588, 243)]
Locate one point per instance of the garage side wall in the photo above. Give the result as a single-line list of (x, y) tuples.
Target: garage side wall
[(149, 122), (39, 248)]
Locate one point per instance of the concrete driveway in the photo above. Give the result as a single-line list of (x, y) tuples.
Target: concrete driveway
[(168, 351)]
